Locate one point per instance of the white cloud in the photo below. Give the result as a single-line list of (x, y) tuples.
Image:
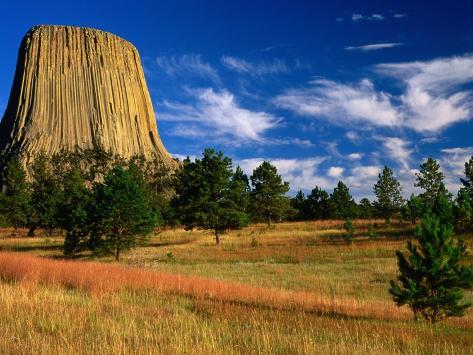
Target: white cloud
[(357, 17), (218, 115), (339, 19), (243, 66), (429, 140), (301, 142), (360, 181), (302, 174), (335, 171), (373, 47), (341, 103), (397, 149), (433, 97), (360, 17), (455, 158), (353, 136), (181, 157), (399, 15), (187, 64), (377, 17), (355, 156)]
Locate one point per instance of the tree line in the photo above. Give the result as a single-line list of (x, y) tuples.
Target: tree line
[(85, 192), (434, 199)]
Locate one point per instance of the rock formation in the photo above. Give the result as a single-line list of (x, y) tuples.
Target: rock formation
[(79, 87)]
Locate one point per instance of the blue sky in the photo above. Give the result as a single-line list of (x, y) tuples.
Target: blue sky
[(325, 90)]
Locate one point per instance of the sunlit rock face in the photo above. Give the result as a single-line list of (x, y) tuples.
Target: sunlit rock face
[(79, 87)]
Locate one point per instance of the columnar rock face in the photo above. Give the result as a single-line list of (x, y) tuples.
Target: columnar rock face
[(79, 87)]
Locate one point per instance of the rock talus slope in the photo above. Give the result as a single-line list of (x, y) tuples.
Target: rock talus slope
[(79, 87)]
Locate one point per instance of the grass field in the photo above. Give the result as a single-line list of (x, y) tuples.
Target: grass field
[(289, 288)]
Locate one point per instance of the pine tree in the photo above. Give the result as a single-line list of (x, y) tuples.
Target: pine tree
[(388, 192), (344, 205), (299, 205), (463, 211), (431, 277), (210, 196), (240, 191), (74, 211), (431, 179), (468, 180), (413, 209), (269, 202), (366, 209), (45, 196), (350, 231), (16, 198), (318, 204), (121, 217)]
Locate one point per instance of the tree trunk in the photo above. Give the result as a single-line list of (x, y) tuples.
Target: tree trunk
[(31, 231), (217, 237), (117, 254)]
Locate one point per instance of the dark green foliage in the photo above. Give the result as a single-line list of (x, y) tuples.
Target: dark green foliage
[(349, 231), (15, 202), (318, 204), (343, 204), (122, 215), (431, 277), (463, 210), (443, 209), (299, 204), (413, 209), (388, 193), (366, 209), (431, 179), (240, 189), (158, 181), (268, 196), (372, 232), (468, 180), (45, 196), (209, 195), (74, 212)]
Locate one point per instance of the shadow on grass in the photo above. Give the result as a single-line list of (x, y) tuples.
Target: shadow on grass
[(27, 248)]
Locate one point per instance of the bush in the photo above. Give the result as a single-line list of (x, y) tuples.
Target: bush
[(431, 277), (350, 231), (372, 232)]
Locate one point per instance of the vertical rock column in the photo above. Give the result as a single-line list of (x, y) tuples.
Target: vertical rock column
[(79, 87)]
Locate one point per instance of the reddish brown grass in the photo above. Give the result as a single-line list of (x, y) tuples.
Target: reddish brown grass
[(99, 279)]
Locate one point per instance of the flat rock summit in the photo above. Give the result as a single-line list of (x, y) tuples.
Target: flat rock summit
[(79, 87)]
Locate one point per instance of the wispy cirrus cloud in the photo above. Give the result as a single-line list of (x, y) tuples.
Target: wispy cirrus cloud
[(398, 149), (433, 97), (239, 65), (453, 161), (187, 65), (360, 17), (341, 103), (271, 48), (373, 47), (217, 114)]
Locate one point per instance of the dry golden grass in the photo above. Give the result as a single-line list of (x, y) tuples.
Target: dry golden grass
[(300, 290), (99, 279)]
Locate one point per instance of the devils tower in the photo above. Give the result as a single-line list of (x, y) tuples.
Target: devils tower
[(79, 87)]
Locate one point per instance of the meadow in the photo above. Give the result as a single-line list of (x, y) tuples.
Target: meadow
[(289, 288)]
